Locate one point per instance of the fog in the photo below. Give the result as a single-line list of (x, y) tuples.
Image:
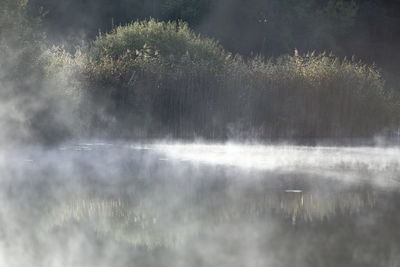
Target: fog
[(179, 153), (176, 204)]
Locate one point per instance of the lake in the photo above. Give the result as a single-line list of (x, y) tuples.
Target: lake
[(175, 204)]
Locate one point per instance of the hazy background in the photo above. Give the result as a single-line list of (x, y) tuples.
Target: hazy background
[(86, 95), (218, 70), (70, 71), (367, 29)]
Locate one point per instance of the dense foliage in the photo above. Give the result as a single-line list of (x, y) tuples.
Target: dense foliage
[(33, 106), (369, 29), (19, 40), (162, 79), (155, 79), (319, 95), (20, 46)]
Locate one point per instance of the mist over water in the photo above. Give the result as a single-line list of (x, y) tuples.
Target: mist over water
[(174, 204), (140, 202), (322, 161)]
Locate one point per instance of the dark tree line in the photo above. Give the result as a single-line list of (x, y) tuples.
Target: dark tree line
[(368, 29), (156, 79)]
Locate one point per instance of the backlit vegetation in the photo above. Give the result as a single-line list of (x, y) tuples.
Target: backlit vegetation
[(156, 79)]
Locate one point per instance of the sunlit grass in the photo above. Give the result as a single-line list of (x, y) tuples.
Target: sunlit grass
[(156, 79)]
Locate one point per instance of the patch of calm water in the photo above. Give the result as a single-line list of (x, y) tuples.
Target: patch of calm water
[(199, 205)]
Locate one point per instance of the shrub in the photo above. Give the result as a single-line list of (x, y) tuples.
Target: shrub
[(165, 40), (157, 79), (319, 95)]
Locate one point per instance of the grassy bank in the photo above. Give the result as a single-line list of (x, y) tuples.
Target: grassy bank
[(156, 79)]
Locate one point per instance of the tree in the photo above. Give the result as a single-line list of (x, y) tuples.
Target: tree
[(20, 40), (275, 27), (191, 11)]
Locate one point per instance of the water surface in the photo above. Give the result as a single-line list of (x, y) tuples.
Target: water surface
[(100, 204)]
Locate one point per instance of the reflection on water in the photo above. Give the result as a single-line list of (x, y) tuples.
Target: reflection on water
[(153, 205)]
